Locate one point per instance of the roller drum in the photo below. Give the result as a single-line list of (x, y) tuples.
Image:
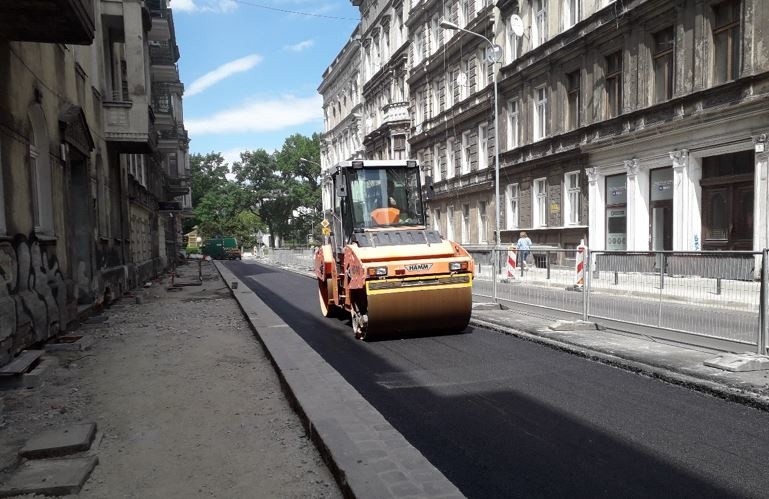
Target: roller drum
[(437, 308)]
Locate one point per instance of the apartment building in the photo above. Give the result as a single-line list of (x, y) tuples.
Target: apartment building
[(342, 137), (452, 99), (384, 39), (630, 124), (79, 186)]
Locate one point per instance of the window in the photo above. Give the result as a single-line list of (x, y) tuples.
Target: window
[(483, 222), (616, 212), (435, 91), (437, 219), (539, 203), (664, 42), (450, 223), (466, 153), (726, 41), (572, 193), (450, 158), (40, 172), (436, 163), (572, 97), (466, 11), (419, 46), (614, 84), (483, 70), (418, 108), (511, 207), (436, 37), (511, 53), (465, 80), (421, 163), (539, 28), (465, 226), (540, 112), (450, 76), (483, 146), (512, 124), (570, 13)]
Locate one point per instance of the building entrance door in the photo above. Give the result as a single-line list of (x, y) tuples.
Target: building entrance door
[(728, 216), (661, 227), (661, 206), (727, 201)]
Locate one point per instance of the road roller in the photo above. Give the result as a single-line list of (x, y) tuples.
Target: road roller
[(380, 262)]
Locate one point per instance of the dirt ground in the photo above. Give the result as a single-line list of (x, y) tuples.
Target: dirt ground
[(186, 403)]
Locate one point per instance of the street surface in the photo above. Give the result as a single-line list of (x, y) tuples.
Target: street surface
[(503, 417)]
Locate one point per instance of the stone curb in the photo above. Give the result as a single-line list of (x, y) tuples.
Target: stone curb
[(664, 373), (366, 455)]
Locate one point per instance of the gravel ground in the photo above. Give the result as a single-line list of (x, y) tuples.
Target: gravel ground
[(186, 403)]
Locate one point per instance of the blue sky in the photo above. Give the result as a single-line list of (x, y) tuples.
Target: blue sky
[(251, 74)]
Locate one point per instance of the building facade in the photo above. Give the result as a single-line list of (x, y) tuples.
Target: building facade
[(342, 136), (79, 191), (632, 125), (384, 39)]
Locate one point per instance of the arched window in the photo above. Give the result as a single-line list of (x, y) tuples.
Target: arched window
[(40, 172)]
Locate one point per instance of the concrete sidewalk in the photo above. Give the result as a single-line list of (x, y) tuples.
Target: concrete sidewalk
[(666, 360)]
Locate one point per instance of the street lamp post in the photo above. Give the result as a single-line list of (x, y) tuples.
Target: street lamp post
[(494, 49)]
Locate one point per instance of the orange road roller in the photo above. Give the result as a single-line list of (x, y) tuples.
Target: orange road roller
[(380, 262)]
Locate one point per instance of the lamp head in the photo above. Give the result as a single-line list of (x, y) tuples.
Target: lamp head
[(447, 25)]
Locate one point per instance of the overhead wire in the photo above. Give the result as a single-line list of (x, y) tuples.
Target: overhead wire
[(296, 12)]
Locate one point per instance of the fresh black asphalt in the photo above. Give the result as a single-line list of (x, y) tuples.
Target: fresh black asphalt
[(503, 417)]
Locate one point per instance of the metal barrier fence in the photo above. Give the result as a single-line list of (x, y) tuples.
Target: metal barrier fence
[(300, 258), (696, 295), (714, 295)]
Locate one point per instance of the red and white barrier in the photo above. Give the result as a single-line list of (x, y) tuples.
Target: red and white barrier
[(581, 260), (512, 261)]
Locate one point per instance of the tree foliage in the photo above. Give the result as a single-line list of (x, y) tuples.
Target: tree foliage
[(278, 193)]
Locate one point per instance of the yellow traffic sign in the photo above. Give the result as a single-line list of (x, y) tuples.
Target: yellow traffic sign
[(324, 223), (326, 231)]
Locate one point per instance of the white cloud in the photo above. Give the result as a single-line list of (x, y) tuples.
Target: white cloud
[(260, 116), (222, 72), (222, 6), (298, 47)]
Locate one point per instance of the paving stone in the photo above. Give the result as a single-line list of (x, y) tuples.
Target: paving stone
[(49, 477), (60, 442), (405, 489)]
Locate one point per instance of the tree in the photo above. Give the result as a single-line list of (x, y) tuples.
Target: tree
[(208, 175), (266, 192), (303, 181)]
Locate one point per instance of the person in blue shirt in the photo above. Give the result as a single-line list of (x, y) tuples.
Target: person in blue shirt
[(524, 248)]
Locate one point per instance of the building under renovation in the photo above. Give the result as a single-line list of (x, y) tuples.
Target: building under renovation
[(92, 160)]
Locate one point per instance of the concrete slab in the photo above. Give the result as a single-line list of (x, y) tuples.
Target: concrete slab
[(60, 442), (573, 326), (33, 379), (49, 477), (69, 343), (739, 363), (486, 306)]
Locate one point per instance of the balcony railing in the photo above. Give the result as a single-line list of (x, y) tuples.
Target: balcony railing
[(163, 53), (71, 21)]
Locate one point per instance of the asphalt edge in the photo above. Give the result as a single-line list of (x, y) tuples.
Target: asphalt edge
[(666, 374), (663, 373), (318, 433)]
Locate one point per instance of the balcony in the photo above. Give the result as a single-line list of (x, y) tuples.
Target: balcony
[(64, 21), (396, 111), (129, 127), (176, 186), (163, 53)]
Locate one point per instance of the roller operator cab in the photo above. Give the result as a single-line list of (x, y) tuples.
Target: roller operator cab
[(380, 262)]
